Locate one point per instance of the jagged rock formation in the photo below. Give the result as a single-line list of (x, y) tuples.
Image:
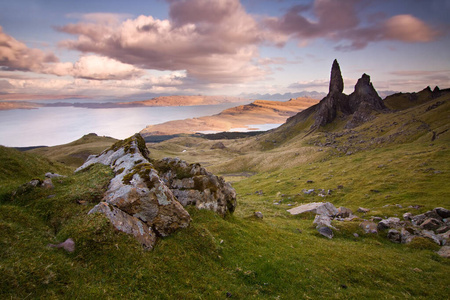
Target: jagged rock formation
[(358, 104), (139, 202)]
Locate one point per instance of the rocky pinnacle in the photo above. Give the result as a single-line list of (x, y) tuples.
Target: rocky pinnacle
[(336, 81)]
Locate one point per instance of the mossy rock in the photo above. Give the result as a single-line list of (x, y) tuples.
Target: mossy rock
[(423, 244)]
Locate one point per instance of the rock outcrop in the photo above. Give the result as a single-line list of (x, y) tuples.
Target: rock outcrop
[(140, 202), (359, 105), (193, 185)]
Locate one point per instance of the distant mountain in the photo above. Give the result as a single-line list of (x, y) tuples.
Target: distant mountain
[(283, 97)]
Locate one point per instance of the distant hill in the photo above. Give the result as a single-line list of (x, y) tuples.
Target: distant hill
[(75, 153), (258, 112)]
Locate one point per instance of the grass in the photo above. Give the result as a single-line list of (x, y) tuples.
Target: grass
[(278, 257)]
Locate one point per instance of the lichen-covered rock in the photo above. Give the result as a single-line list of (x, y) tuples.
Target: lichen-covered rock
[(136, 193), (388, 223), (140, 202), (193, 185), (442, 212), (128, 224)]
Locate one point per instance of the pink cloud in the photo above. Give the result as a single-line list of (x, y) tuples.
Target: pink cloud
[(15, 55), (338, 21), (212, 41)]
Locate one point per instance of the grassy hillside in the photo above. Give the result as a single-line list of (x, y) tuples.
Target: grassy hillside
[(17, 168), (75, 153), (397, 160)]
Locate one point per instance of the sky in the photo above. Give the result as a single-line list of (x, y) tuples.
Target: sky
[(131, 49)]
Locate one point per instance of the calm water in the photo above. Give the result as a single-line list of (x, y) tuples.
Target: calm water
[(59, 125)]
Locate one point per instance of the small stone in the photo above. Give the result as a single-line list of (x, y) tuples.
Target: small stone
[(369, 227), (407, 216), (48, 184), (308, 192), (417, 270), (258, 214), (309, 181), (344, 212), (355, 235), (340, 187), (326, 231), (68, 245), (363, 210), (53, 175), (444, 251)]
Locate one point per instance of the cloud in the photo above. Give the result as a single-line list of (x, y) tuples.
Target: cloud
[(97, 68), (212, 41), (15, 55), (339, 21)]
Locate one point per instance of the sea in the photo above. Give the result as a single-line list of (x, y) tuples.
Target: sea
[(50, 126)]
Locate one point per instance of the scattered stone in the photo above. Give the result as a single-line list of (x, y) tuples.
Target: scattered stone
[(308, 192), (326, 231), (53, 175), (369, 227), (433, 214), (417, 270), (377, 219), (258, 214), (340, 187), (442, 212), (388, 223), (407, 216), (394, 236), (319, 208), (418, 219), (48, 184), (68, 245), (430, 235), (356, 235), (363, 210), (309, 181), (323, 220), (444, 251), (443, 229), (344, 212), (431, 224), (218, 145), (34, 182)]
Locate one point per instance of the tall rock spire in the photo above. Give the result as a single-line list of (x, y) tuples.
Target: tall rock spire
[(336, 81)]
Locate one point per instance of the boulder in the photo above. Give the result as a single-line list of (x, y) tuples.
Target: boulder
[(407, 216), (319, 208), (388, 223), (193, 185)]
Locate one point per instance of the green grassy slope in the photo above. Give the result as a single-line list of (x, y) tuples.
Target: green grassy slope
[(17, 168), (399, 159), (75, 153)]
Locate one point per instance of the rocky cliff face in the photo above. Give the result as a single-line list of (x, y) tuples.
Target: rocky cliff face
[(140, 202), (360, 104)]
